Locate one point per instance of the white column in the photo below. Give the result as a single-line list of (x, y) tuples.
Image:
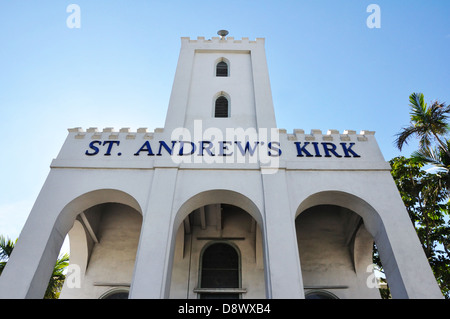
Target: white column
[(151, 278), (407, 270), (282, 257), (28, 270)]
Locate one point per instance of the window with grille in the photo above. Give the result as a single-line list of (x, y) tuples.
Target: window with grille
[(220, 270), (221, 107), (222, 69)]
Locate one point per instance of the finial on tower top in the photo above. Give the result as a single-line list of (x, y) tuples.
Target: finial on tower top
[(222, 33)]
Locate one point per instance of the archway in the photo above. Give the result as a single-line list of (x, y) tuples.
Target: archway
[(43, 235), (335, 236), (335, 253), (103, 245), (217, 217)]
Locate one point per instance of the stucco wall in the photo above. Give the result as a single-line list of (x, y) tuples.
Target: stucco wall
[(111, 261)]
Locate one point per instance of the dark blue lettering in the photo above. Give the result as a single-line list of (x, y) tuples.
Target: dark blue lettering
[(146, 147), (348, 150), (302, 149), (224, 148), (316, 148), (163, 144), (247, 147), (277, 149), (110, 145), (94, 148), (181, 152), (208, 149), (330, 147)]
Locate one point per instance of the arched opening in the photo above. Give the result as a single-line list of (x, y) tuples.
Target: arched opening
[(220, 271), (222, 68), (116, 293), (319, 294), (336, 248), (103, 245), (221, 107), (223, 222)]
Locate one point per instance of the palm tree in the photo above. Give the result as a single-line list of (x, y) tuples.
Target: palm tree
[(56, 280), (426, 123), (6, 247)]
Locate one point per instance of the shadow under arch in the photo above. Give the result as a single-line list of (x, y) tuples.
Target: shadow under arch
[(223, 196), (370, 216), (218, 196), (373, 224), (87, 200), (63, 223)]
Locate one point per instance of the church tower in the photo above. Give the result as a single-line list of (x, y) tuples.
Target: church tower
[(223, 82)]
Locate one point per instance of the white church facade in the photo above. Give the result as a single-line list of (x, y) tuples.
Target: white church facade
[(219, 203)]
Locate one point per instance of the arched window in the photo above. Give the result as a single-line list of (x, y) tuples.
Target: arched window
[(320, 294), (222, 69), (221, 107), (116, 293), (219, 272)]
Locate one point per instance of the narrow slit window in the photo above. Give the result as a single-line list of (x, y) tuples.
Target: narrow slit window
[(221, 107), (222, 69)]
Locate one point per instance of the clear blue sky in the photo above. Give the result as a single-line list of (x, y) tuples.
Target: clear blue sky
[(328, 70)]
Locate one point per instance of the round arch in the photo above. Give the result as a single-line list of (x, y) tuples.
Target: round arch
[(370, 216), (226, 61), (227, 197), (208, 247), (52, 240), (217, 196), (221, 94), (360, 235), (320, 294), (116, 293), (87, 200)]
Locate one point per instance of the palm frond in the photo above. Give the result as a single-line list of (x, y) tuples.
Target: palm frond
[(405, 134), (6, 247), (429, 156), (428, 124), (418, 107)]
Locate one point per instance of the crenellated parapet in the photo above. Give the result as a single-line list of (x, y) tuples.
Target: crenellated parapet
[(330, 135), (297, 134), (111, 133), (219, 40)]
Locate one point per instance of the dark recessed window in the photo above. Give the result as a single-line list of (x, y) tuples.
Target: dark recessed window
[(117, 295), (220, 269), (221, 107), (320, 295), (222, 69)]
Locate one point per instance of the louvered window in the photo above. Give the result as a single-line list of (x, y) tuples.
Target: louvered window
[(222, 69), (221, 107)]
